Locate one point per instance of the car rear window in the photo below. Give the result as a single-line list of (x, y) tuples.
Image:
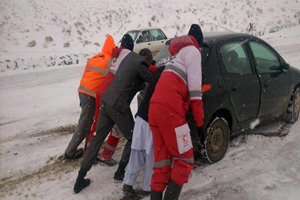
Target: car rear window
[(133, 34), (163, 55)]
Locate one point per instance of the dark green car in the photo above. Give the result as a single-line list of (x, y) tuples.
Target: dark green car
[(247, 81)]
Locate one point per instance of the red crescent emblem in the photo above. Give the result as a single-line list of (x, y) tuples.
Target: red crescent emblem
[(184, 139)]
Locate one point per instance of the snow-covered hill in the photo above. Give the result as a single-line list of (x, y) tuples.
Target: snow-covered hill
[(46, 33), (39, 106)]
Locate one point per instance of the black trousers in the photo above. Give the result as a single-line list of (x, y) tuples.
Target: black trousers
[(108, 117)]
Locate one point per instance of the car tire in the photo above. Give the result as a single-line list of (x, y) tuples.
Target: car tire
[(216, 140), (293, 109)]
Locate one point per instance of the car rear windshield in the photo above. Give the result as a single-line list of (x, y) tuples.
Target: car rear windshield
[(133, 34), (163, 55)]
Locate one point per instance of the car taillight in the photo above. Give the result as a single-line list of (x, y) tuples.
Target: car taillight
[(206, 87)]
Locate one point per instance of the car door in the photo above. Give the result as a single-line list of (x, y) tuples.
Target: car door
[(241, 80), (275, 82), (143, 41), (158, 40)]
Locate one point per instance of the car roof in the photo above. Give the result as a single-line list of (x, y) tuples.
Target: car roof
[(217, 35), (142, 29), (213, 36)]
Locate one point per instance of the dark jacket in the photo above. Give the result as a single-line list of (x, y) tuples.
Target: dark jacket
[(129, 78), (143, 109)]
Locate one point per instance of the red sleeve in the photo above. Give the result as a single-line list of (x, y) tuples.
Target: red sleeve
[(152, 68), (198, 113)]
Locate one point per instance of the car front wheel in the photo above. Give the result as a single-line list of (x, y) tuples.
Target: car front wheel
[(294, 107), (216, 140)]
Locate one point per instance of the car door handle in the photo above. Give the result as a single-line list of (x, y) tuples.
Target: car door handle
[(149, 43), (162, 42), (234, 88)]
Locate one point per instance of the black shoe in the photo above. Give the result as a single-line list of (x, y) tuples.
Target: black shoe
[(145, 193), (118, 177), (77, 155), (119, 174), (128, 190), (109, 163), (80, 185)]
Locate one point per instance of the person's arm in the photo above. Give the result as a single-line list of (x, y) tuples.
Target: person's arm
[(192, 61), (152, 68), (144, 71)]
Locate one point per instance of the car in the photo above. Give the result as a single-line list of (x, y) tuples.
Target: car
[(152, 38), (245, 81)]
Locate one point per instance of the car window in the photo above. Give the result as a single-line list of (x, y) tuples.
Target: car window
[(133, 34), (235, 58), (162, 56), (144, 36), (266, 60), (157, 34)]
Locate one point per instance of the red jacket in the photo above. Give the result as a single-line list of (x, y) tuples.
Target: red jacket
[(179, 86)]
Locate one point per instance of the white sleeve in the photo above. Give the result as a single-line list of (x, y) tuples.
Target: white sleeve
[(192, 61)]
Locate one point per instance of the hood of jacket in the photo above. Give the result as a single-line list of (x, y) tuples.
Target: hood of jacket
[(180, 42), (108, 45)]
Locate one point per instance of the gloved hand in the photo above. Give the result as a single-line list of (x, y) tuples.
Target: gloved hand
[(200, 131)]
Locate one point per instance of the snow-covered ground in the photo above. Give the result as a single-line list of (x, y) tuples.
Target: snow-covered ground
[(52, 33), (39, 106)]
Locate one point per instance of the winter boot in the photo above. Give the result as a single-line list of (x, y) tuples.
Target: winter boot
[(128, 190), (119, 174), (173, 191), (156, 195), (145, 194), (81, 182), (77, 155), (109, 163)]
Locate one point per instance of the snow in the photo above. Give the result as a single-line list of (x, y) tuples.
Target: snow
[(40, 106)]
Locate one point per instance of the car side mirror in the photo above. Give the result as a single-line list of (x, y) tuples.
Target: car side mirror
[(285, 67)]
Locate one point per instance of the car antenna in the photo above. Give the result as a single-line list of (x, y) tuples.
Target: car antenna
[(220, 26)]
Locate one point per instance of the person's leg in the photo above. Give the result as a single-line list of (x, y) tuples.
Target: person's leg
[(93, 130), (136, 162), (84, 123), (149, 162), (183, 163), (104, 125), (111, 144), (125, 123), (162, 160)]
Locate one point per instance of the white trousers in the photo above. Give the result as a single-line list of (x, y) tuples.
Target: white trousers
[(138, 159)]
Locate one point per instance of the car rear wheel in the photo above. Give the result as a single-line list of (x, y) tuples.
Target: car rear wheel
[(294, 107), (216, 140)]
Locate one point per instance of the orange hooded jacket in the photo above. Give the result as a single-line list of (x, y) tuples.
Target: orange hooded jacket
[(96, 69)]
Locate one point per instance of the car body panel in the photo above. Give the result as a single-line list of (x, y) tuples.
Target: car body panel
[(241, 98), (295, 77), (275, 82), (242, 84)]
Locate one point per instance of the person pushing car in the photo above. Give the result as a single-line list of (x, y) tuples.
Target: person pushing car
[(178, 88), (132, 71), (94, 74)]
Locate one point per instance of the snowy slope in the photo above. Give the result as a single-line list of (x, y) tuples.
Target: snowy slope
[(73, 30), (38, 106)]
